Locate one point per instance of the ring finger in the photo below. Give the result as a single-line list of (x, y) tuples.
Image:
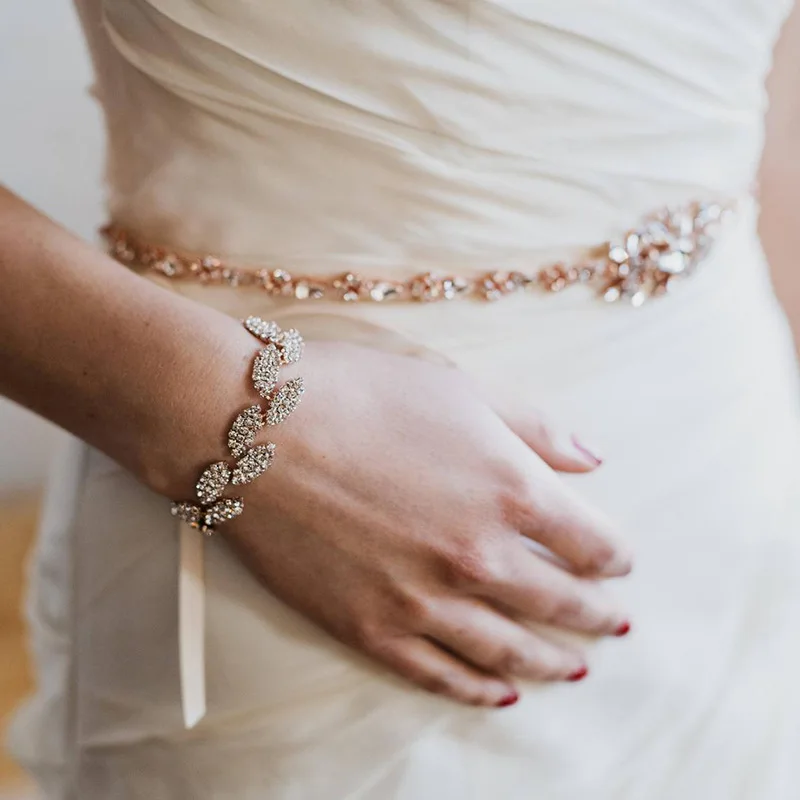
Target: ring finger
[(486, 639)]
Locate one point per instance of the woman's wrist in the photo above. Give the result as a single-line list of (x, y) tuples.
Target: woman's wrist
[(208, 386)]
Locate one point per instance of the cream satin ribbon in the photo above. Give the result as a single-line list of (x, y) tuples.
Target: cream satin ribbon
[(191, 624)]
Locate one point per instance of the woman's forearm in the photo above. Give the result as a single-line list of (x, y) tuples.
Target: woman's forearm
[(110, 357)]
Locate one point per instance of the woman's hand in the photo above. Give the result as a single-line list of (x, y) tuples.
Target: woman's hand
[(402, 514), (399, 506)]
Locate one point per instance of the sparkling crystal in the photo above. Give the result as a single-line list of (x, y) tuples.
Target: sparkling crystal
[(232, 277), (384, 290), (707, 213), (633, 244), (672, 262), (638, 298), (223, 510), (243, 431), (188, 512), (350, 286), (683, 223), (167, 266), (426, 287), (306, 289), (617, 254), (262, 329), (290, 343), (658, 234), (281, 281), (285, 400), (254, 463), (490, 290), (212, 482), (612, 294), (445, 288), (449, 290), (301, 290), (265, 370)]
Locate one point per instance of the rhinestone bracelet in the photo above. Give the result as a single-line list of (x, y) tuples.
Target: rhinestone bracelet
[(211, 508)]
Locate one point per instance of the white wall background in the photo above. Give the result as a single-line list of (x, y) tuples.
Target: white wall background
[(51, 151)]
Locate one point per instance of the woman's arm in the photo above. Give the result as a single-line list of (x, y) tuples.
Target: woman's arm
[(780, 172), (396, 513), (109, 356)]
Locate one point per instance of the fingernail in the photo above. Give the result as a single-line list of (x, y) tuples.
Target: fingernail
[(587, 454), (508, 700), (623, 629), (578, 675)]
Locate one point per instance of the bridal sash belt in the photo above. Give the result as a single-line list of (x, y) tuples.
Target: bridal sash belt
[(642, 263)]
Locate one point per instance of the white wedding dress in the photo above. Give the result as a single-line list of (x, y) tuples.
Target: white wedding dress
[(396, 136)]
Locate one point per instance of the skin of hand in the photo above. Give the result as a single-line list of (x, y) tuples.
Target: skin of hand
[(398, 516), (397, 513)]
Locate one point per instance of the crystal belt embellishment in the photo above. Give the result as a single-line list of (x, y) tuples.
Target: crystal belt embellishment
[(211, 508), (641, 264)]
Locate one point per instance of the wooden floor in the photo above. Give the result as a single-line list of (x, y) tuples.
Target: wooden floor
[(17, 525)]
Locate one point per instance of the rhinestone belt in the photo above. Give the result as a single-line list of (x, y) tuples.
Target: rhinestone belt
[(642, 263)]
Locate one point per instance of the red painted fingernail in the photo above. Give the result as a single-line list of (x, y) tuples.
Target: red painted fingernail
[(578, 675), (586, 452), (508, 700), (623, 629)]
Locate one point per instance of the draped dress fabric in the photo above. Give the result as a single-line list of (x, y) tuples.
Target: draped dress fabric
[(393, 137)]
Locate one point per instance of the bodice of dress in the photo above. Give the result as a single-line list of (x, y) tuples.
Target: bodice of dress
[(393, 134)]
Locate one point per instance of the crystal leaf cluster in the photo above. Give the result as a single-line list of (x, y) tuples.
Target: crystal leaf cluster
[(211, 508)]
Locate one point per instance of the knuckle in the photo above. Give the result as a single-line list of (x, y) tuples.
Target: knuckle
[(564, 607), (366, 635), (444, 683), (600, 557), (510, 661), (414, 608), (473, 565)]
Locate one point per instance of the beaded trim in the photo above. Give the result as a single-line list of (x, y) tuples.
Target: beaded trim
[(211, 508), (643, 263)]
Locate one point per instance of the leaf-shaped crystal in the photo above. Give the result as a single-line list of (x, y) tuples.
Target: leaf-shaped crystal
[(291, 346), (285, 400), (243, 431), (265, 370), (261, 329), (188, 512), (223, 510), (212, 482), (254, 463)]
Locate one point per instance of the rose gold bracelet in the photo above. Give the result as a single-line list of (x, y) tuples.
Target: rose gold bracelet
[(642, 263), (211, 508)]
